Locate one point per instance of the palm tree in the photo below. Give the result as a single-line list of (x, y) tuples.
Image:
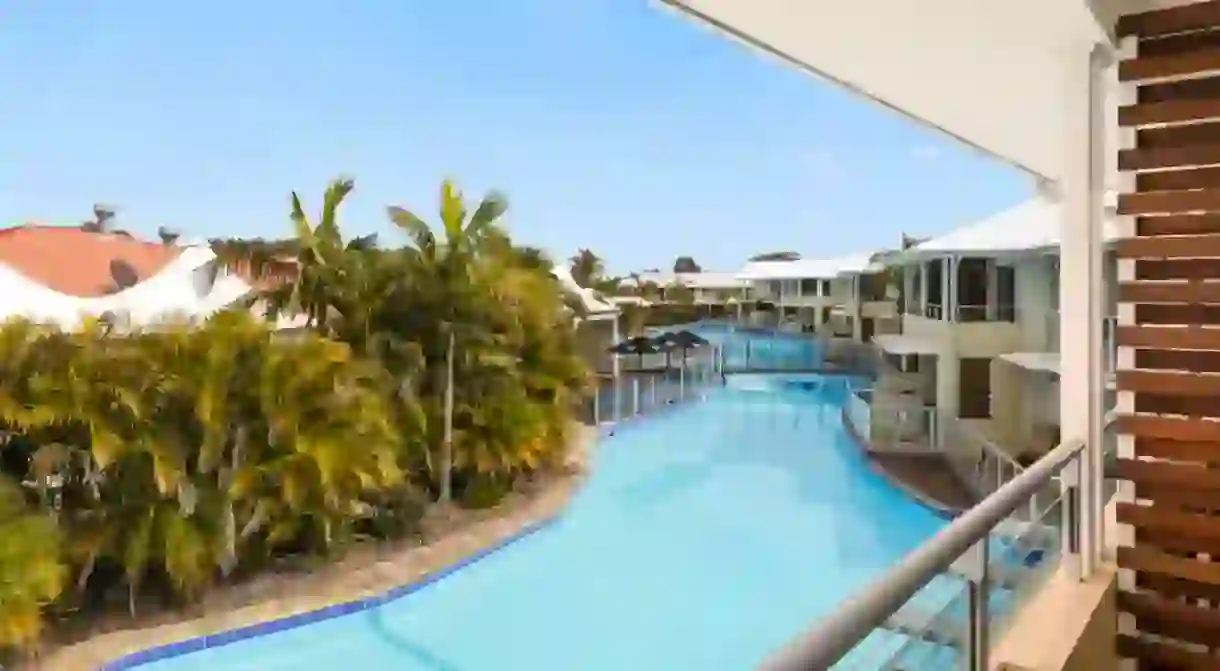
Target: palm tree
[(444, 268), (325, 266), (587, 268), (31, 575)]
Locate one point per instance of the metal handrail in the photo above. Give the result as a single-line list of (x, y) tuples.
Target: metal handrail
[(835, 636)]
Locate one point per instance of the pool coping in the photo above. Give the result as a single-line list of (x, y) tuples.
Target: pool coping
[(223, 638)]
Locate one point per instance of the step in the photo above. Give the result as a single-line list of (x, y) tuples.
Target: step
[(896, 651), (918, 655)]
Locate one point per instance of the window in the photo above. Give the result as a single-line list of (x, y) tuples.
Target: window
[(809, 287), (974, 388), (1006, 294), (825, 287)]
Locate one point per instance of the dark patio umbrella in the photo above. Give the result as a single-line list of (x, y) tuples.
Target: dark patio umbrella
[(687, 339), (683, 340), (639, 345)]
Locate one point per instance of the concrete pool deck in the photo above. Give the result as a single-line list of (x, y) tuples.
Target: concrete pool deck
[(364, 572)]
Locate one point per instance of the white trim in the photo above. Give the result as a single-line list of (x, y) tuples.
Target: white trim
[(907, 344), (1044, 362)]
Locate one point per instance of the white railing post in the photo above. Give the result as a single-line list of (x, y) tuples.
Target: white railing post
[(635, 396), (977, 644), (652, 385), (682, 383)]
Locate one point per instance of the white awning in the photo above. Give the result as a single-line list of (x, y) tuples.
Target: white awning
[(1047, 362), (906, 344), (991, 74)]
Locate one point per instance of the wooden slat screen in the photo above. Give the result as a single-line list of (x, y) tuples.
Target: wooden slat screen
[(1169, 377)]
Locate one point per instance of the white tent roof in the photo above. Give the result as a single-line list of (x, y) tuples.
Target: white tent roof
[(1030, 226), (183, 289), (988, 73), (804, 268)]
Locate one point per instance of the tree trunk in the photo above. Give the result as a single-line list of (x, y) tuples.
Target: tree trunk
[(447, 440)]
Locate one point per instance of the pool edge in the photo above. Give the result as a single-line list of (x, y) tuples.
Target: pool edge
[(940, 509), (222, 638)]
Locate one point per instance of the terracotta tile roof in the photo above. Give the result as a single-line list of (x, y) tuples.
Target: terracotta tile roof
[(81, 263)]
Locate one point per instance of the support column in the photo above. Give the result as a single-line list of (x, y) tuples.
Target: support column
[(908, 287), (924, 288), (1080, 290), (952, 266), (946, 288)]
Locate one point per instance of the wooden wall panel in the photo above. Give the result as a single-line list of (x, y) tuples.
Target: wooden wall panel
[(1173, 391)]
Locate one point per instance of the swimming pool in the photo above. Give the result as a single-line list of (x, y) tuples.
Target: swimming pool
[(704, 538), (761, 348)]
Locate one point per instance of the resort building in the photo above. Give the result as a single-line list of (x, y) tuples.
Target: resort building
[(1084, 96), (981, 329), (867, 301), (706, 288), (803, 290)]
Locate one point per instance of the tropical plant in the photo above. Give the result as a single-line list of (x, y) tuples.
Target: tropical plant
[(776, 256), (31, 575), (442, 269), (686, 264), (163, 461), (587, 268)]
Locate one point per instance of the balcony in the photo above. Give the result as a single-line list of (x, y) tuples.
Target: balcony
[(947, 602)]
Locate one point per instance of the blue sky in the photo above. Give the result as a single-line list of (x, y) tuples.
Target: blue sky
[(610, 124)]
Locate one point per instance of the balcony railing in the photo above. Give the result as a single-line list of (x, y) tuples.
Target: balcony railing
[(943, 603), (1000, 312), (651, 388)]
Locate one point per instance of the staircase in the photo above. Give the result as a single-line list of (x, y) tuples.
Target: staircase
[(928, 633)]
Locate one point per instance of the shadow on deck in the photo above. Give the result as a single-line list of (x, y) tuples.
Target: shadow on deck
[(927, 476)]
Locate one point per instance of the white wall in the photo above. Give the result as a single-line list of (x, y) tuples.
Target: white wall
[(1036, 295)]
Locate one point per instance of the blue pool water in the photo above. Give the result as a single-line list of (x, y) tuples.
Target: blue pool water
[(706, 536), (762, 349)]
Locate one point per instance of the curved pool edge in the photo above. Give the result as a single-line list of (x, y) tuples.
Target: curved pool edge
[(537, 514), (912, 492), (208, 641)]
